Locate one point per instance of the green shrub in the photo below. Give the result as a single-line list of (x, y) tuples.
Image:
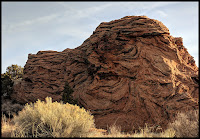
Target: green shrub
[(67, 94), (47, 119), (14, 71), (6, 86), (186, 124)]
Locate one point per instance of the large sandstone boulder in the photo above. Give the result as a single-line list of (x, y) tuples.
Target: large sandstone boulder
[(129, 72)]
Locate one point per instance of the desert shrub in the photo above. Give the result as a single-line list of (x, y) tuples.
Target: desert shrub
[(67, 94), (53, 119), (186, 124), (10, 109), (13, 74), (14, 71), (6, 86)]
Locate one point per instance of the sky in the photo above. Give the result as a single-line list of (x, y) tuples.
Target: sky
[(28, 27)]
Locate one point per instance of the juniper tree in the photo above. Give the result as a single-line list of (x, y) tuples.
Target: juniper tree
[(67, 94)]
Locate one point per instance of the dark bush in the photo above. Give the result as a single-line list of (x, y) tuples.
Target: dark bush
[(6, 86), (67, 95), (9, 108)]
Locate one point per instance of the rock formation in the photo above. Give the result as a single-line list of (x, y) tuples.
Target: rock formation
[(130, 71)]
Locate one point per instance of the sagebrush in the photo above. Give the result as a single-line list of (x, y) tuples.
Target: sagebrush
[(52, 119)]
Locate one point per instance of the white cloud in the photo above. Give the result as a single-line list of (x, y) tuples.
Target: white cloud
[(161, 13), (27, 23)]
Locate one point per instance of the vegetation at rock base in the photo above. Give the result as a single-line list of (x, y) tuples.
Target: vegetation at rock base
[(186, 124), (12, 76), (53, 119), (13, 73), (6, 86), (7, 127), (67, 94)]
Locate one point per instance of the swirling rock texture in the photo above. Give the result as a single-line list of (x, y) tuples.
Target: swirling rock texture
[(129, 72)]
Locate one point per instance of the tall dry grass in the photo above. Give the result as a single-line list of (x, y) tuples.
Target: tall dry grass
[(7, 127), (147, 131)]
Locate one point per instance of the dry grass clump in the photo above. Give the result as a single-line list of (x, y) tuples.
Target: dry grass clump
[(151, 131), (147, 131), (47, 119), (6, 126), (186, 124)]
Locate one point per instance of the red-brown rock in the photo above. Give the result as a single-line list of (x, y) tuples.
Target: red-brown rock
[(129, 72)]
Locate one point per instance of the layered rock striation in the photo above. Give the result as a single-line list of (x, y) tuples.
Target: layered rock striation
[(130, 71)]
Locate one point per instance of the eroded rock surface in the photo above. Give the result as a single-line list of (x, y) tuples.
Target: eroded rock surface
[(129, 72)]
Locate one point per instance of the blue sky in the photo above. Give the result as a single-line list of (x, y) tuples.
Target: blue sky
[(28, 27)]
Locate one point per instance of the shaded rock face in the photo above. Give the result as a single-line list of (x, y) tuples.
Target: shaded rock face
[(129, 72)]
